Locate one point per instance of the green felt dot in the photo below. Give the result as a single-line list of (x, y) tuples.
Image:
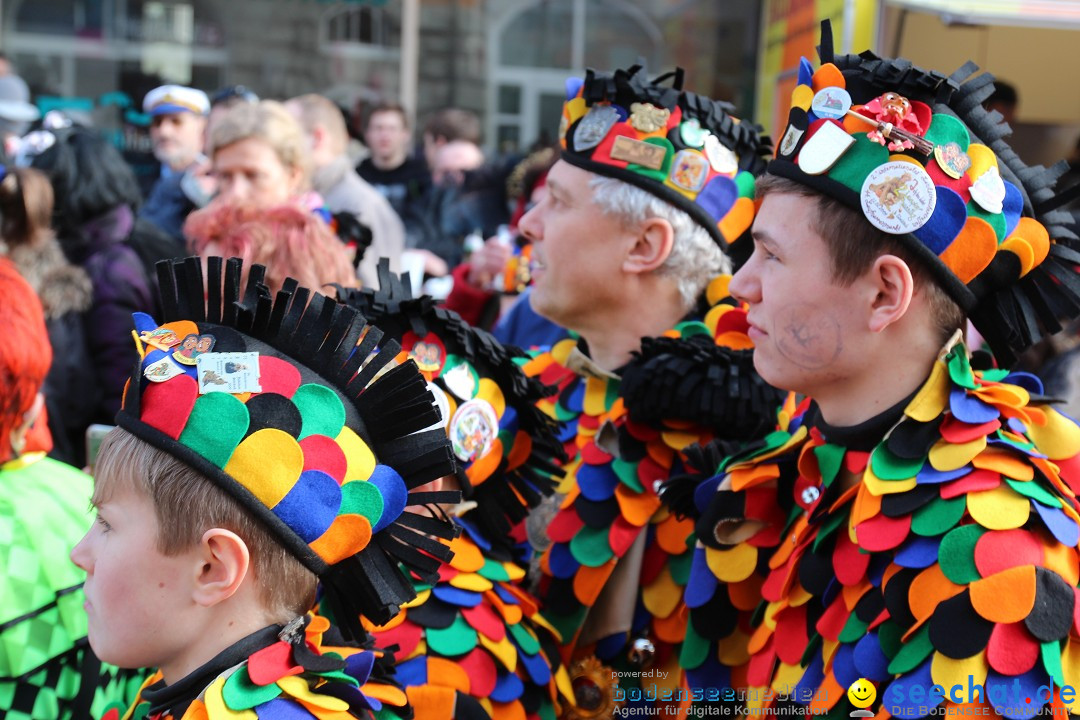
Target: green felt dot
[(745, 182), (832, 522), (339, 676), (494, 571), (320, 409), (945, 129), (361, 498), (547, 710), (960, 370), (829, 459), (1051, 659), (889, 466), (1024, 447), (859, 160), (217, 424), (141, 711), (995, 374), (562, 414), (452, 641), (694, 649), (854, 629), (628, 474), (691, 328), (890, 638), (669, 154), (956, 554), (525, 639), (914, 651), (938, 516), (1035, 491), (567, 625), (590, 546), (812, 649), (997, 221), (239, 693), (679, 566)]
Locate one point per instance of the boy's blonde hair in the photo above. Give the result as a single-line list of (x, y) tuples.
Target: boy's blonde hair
[(187, 504)]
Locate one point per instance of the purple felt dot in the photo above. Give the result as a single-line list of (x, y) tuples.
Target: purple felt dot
[(1059, 524), (970, 409), (718, 196), (1012, 207), (311, 505), (561, 562), (573, 85), (508, 687), (918, 552), (597, 482), (456, 596), (929, 475), (701, 586), (946, 222), (394, 493), (1017, 426), (1010, 694), (870, 660)]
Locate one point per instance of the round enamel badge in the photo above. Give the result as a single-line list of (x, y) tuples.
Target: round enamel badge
[(473, 429), (898, 197)]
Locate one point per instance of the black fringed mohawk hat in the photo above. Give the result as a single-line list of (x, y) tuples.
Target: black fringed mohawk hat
[(686, 149), (291, 405), (505, 446), (916, 153)]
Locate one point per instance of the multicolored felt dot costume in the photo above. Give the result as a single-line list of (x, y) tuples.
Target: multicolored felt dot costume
[(473, 644)]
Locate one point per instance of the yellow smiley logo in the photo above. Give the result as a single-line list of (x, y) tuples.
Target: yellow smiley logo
[(862, 693)]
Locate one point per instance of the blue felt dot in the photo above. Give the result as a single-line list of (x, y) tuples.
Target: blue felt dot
[(509, 420), (918, 552), (143, 322), (1012, 207), (505, 596), (806, 72), (710, 675), (456, 596), (311, 505), (561, 561), (970, 409), (412, 672), (844, 665), (568, 431), (508, 687), (394, 493), (573, 85), (1032, 383), (929, 475), (870, 660), (473, 533), (597, 482), (897, 696), (811, 679), (1061, 525), (705, 492), (359, 665), (718, 196), (946, 222), (535, 665), (574, 401), (282, 709), (1010, 694), (610, 646), (701, 586)]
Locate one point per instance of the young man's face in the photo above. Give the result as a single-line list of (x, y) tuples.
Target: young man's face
[(386, 135), (577, 250), (135, 595), (177, 138), (804, 326)]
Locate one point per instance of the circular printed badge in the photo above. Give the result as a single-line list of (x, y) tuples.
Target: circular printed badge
[(443, 403), (831, 102), (721, 157), (428, 352), (692, 133), (460, 377), (898, 197), (473, 430)]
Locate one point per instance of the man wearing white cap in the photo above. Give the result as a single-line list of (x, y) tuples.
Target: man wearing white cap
[(16, 110), (177, 123)]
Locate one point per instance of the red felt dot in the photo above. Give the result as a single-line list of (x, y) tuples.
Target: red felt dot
[(406, 635), (732, 321), (999, 550), (481, 670), (649, 471), (790, 636), (593, 455), (832, 621), (959, 432), (167, 406), (272, 663), (485, 620), (652, 563), (850, 564), (881, 532), (961, 185), (975, 481), (602, 153), (565, 526), (855, 462), (1076, 612), (278, 376), (759, 672), (322, 453), (641, 431), (622, 535)]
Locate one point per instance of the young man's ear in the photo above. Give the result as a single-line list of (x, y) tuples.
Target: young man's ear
[(651, 247), (225, 562), (893, 285)]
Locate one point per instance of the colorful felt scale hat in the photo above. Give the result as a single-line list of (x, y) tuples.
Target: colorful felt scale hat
[(915, 152), (682, 147), (507, 449), (292, 405)]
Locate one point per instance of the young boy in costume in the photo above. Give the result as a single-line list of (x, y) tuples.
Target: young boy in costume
[(46, 668), (221, 507), (472, 645), (654, 186), (914, 526)]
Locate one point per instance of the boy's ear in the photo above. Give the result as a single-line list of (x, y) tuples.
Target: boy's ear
[(225, 562), (652, 246), (891, 279)]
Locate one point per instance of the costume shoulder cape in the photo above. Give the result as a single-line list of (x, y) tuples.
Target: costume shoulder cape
[(625, 436), (950, 558)]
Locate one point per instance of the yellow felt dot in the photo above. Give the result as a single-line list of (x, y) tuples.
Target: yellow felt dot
[(999, 509), (1059, 438), (358, 456), (504, 651), (595, 396), (471, 582), (1036, 236), (513, 571), (575, 109), (905, 158), (562, 349), (490, 391), (802, 96), (732, 565), (420, 599), (297, 687), (948, 672), (879, 487), (932, 397), (787, 677), (982, 159), (662, 595), (945, 456), (251, 466), (718, 289), (737, 220), (1019, 247), (387, 694), (216, 707), (680, 440)]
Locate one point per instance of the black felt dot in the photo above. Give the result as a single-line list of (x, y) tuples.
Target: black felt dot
[(956, 630), (816, 570), (912, 440), (715, 619), (1052, 615), (905, 503), (896, 597), (433, 614), (870, 605), (225, 338), (270, 410), (597, 514)]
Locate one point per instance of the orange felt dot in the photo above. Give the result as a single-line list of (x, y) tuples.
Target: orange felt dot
[(671, 629), (1036, 236), (858, 123), (520, 451), (1062, 560), (1006, 597), (346, 536), (672, 533), (972, 250), (448, 674), (385, 693), (928, 589), (737, 220), (1002, 461), (1019, 247), (588, 582), (746, 594), (485, 466), (636, 507), (430, 702), (467, 557), (508, 711), (828, 75)]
